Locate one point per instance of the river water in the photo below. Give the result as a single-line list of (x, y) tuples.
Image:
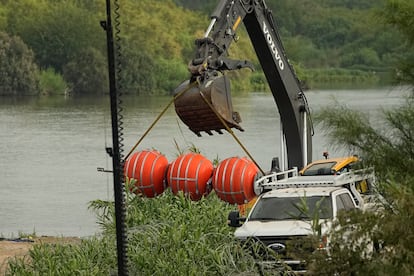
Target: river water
[(51, 148)]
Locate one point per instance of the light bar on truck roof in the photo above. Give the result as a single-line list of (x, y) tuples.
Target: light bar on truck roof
[(291, 179)]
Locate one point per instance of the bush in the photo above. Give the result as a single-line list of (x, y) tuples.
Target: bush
[(389, 229), (172, 235), (19, 74), (95, 256), (52, 82), (167, 235), (372, 243), (87, 73), (258, 81), (169, 74), (337, 77), (138, 71)]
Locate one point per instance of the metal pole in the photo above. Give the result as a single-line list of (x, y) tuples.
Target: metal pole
[(305, 139), (283, 154), (115, 151), (210, 27)]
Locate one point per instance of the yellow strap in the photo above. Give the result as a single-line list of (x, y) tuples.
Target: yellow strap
[(191, 85), (231, 132)]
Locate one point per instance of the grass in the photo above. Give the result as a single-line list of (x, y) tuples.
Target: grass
[(94, 256), (168, 235)]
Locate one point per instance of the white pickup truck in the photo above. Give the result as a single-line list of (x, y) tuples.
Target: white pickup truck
[(292, 207)]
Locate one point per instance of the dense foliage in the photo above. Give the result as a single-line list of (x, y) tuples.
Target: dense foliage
[(169, 235), (378, 243), (399, 14), (327, 34), (326, 40), (19, 73)]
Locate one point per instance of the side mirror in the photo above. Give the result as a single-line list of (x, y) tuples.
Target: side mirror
[(234, 219)]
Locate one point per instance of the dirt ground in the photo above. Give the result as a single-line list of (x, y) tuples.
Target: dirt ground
[(20, 247)]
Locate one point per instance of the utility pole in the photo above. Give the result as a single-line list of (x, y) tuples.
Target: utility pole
[(114, 152)]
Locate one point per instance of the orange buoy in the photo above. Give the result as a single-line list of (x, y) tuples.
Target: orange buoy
[(190, 174), (148, 169), (233, 180)]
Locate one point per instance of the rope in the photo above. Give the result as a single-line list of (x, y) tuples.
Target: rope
[(231, 132), (215, 112), (159, 117)]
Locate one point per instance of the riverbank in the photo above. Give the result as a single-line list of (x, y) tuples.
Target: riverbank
[(19, 247)]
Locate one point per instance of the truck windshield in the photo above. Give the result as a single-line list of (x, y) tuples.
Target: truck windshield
[(292, 208)]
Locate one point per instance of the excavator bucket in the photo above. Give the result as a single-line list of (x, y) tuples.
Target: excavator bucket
[(204, 107)]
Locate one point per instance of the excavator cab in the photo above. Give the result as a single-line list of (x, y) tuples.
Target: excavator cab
[(205, 105)]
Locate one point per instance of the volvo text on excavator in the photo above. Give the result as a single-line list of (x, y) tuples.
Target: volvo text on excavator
[(205, 103)]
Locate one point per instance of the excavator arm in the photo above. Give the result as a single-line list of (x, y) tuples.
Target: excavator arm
[(207, 104)]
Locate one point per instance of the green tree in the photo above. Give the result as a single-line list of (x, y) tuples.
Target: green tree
[(385, 148), (137, 71), (57, 31), (87, 73), (19, 74), (200, 5), (170, 73), (379, 242), (318, 34), (363, 57), (3, 18), (399, 13)]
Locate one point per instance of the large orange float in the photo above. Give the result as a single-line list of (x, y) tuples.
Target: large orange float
[(148, 169), (193, 174), (190, 173), (233, 180)]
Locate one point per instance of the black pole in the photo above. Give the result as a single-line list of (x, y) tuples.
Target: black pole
[(115, 151)]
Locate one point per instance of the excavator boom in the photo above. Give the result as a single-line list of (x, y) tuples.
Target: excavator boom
[(207, 106)]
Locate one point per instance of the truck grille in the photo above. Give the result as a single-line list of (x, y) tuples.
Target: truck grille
[(285, 253), (280, 247)]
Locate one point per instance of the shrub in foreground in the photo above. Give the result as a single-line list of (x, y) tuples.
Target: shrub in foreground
[(167, 235)]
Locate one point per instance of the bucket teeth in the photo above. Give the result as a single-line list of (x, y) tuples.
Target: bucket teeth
[(194, 107)]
